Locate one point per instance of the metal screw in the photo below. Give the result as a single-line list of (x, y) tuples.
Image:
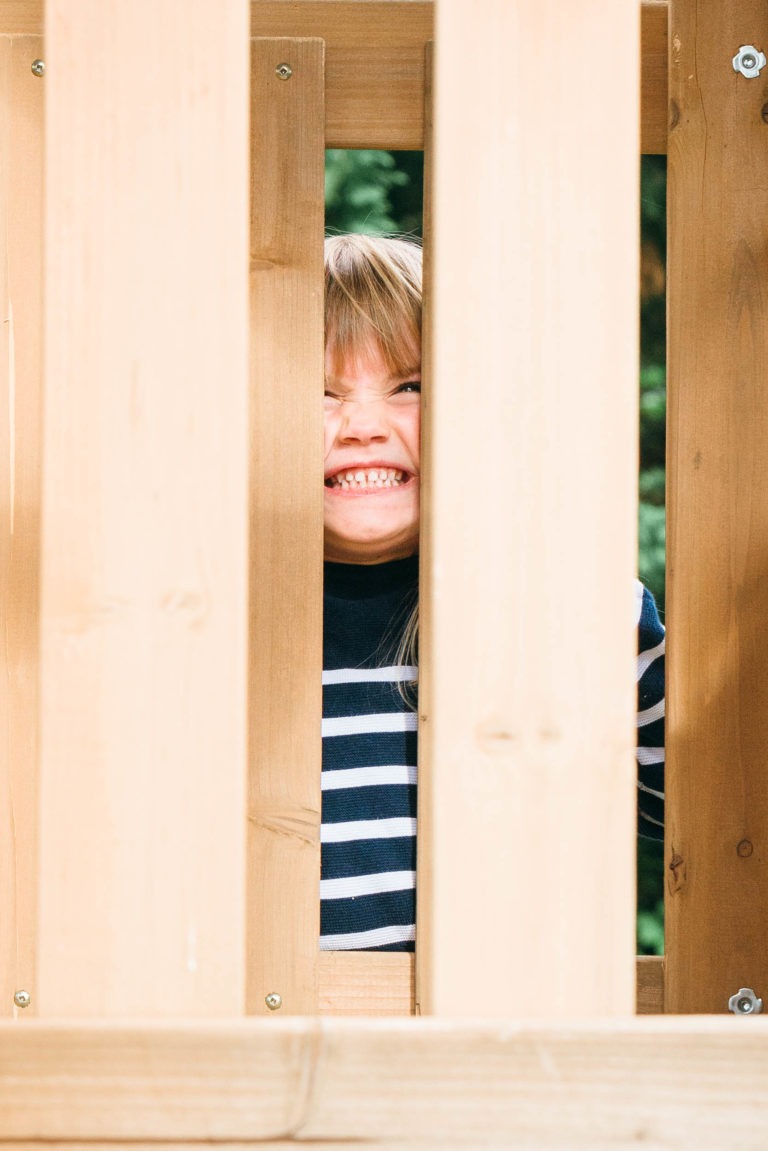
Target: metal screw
[(745, 1002), (749, 61), (273, 1001), (38, 67), (22, 999), (284, 71)]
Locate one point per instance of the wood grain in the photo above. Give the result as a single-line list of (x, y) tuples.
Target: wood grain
[(662, 1083), (374, 63), (425, 843), (371, 983), (531, 690), (287, 372), (374, 66), (654, 115), (649, 993), (21, 17), (21, 212), (366, 983), (717, 476), (144, 585)]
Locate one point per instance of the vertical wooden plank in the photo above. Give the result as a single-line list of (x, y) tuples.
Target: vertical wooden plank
[(285, 706), (529, 680), (717, 813), (21, 190), (425, 840), (653, 77), (144, 584)]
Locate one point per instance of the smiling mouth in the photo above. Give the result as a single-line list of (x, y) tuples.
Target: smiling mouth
[(360, 479)]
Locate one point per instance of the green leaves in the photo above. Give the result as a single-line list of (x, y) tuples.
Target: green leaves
[(358, 185)]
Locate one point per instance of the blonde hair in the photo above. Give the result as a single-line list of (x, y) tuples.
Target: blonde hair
[(373, 292), (373, 299)]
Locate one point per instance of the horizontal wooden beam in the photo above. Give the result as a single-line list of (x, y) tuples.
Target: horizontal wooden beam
[(649, 985), (381, 983), (366, 983), (21, 17), (375, 63), (668, 1082)]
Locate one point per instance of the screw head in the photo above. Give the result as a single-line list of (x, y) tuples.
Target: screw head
[(38, 67), (22, 999), (273, 1001), (745, 1002), (284, 71)]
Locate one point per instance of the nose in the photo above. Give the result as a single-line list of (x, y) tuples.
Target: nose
[(363, 423)]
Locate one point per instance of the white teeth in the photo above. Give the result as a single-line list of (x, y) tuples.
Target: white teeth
[(372, 478)]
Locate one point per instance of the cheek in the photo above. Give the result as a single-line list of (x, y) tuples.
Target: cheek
[(328, 437), (411, 435)]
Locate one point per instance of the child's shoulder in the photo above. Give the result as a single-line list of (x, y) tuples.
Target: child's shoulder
[(647, 620)]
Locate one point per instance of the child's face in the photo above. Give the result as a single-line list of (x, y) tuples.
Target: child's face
[(371, 462)]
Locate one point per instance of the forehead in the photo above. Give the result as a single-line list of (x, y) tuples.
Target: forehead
[(369, 359)]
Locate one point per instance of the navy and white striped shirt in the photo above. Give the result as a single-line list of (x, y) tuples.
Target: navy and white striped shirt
[(650, 716), (368, 876)]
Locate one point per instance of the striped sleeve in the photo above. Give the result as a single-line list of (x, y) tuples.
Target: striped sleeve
[(650, 716), (368, 833)]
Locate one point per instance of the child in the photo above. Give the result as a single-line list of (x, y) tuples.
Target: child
[(372, 420)]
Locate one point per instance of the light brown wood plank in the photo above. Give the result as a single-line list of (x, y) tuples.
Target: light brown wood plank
[(285, 704), (654, 116), (662, 1083), (717, 475), (21, 208), (426, 732), (649, 986), (144, 585), (374, 71), (345, 24), (372, 983), (366, 983), (21, 17), (374, 64), (530, 653)]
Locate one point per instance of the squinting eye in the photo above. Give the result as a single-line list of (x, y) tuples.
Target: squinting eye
[(407, 393)]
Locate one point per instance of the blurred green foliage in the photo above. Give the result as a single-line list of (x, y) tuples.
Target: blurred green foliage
[(373, 192), (652, 518), (380, 192), (653, 375)]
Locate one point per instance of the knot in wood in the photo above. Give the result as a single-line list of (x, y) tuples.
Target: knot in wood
[(744, 849)]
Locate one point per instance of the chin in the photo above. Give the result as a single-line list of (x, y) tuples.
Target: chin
[(366, 535), (373, 548)]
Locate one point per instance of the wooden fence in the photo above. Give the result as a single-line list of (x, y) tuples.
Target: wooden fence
[(161, 566)]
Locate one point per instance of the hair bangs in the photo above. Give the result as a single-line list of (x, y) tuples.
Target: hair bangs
[(373, 301)]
